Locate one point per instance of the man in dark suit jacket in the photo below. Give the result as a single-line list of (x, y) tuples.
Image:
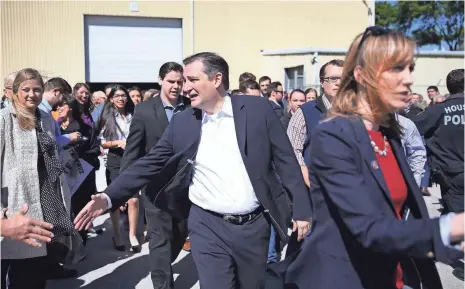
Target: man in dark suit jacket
[(275, 94), (166, 234), (227, 174)]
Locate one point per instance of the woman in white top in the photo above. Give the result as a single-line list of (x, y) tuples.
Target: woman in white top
[(114, 126)]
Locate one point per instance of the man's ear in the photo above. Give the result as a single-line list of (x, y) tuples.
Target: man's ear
[(218, 79)]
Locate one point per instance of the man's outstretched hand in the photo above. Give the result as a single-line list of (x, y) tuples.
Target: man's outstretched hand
[(92, 210), (19, 227)]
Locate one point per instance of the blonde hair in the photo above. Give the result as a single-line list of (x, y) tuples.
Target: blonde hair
[(98, 93), (26, 118), (376, 55)]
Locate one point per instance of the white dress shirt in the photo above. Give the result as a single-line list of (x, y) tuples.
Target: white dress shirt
[(220, 181)]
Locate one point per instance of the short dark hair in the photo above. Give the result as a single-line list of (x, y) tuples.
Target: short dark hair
[(248, 84), (58, 83), (296, 90), (109, 86), (235, 92), (213, 64), (433, 87), (246, 76), (135, 88), (454, 81), (272, 87), (311, 89), (168, 67), (335, 62), (264, 78)]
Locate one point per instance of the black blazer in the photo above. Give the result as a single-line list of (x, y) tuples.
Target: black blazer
[(279, 110), (262, 142), (147, 127), (356, 239)]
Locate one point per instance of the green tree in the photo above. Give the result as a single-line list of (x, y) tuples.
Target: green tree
[(428, 22)]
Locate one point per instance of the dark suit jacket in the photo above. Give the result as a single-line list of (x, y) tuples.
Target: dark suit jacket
[(262, 141), (413, 111), (357, 240), (147, 127), (277, 109), (314, 112)]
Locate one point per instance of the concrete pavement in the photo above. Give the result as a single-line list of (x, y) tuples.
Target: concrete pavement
[(106, 268)]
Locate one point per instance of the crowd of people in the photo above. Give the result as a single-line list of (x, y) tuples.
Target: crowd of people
[(225, 173)]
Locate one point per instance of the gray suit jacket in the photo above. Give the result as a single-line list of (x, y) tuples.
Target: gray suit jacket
[(19, 178)]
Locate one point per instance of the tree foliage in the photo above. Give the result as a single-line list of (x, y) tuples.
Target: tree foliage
[(428, 22)]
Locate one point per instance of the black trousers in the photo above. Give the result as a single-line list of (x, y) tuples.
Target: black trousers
[(166, 239), (452, 191), (228, 256), (24, 273)]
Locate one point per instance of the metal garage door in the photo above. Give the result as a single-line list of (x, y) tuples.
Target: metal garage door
[(130, 49)]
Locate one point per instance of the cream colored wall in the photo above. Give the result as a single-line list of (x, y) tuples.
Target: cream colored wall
[(49, 35), (428, 70), (433, 71), (239, 30), (277, 64)]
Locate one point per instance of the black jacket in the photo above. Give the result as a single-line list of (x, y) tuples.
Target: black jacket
[(147, 127), (442, 125), (262, 142)]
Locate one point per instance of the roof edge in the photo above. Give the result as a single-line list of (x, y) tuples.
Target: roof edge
[(294, 51)]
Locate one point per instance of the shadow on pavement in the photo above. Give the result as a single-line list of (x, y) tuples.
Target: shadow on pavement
[(187, 273), (125, 276)]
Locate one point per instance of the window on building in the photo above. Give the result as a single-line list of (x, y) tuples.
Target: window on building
[(295, 78)]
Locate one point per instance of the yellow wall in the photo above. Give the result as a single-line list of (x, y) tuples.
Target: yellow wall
[(433, 71), (49, 35), (277, 63), (239, 30), (429, 70)]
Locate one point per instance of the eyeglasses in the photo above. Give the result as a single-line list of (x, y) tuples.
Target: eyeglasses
[(332, 79), (371, 31), (123, 96)]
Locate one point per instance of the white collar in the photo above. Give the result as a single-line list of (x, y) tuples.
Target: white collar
[(226, 110), (275, 101)]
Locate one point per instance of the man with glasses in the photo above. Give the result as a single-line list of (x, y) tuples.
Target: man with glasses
[(275, 96), (7, 90), (309, 115)]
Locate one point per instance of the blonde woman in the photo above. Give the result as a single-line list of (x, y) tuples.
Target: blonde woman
[(362, 189), (31, 174)]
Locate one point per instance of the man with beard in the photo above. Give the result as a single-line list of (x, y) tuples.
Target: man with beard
[(166, 234)]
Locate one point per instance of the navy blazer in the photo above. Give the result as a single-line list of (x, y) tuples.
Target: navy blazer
[(262, 142), (357, 240)]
